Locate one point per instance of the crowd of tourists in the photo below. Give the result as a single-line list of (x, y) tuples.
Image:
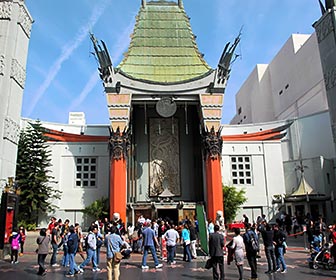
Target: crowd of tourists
[(161, 237), (158, 237)]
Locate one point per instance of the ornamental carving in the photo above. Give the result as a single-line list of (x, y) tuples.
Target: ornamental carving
[(11, 130), (18, 73), (5, 10), (25, 21), (119, 144), (213, 143), (330, 78), (2, 64), (164, 156), (324, 28)]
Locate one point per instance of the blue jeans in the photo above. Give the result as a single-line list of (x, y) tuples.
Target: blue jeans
[(171, 253), (91, 255), (53, 259), (279, 253), (270, 256), (145, 253), (73, 265), (186, 252), (98, 255), (65, 259)]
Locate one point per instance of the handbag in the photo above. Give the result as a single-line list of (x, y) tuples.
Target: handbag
[(208, 264), (117, 257)]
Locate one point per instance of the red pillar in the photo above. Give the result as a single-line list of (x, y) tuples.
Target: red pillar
[(118, 198), (214, 187)]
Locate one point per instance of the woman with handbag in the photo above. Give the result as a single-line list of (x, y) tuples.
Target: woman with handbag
[(113, 244), (42, 251)]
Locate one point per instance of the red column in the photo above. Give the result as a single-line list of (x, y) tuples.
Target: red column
[(118, 198), (214, 187)]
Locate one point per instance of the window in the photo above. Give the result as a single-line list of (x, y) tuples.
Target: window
[(241, 170), (86, 172)]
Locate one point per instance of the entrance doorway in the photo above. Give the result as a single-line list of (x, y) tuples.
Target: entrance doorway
[(168, 214)]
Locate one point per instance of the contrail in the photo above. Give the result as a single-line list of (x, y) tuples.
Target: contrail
[(121, 46), (67, 50)]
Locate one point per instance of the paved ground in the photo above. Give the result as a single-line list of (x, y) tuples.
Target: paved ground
[(130, 269)]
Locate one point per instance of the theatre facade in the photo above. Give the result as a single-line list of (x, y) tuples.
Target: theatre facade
[(164, 152)]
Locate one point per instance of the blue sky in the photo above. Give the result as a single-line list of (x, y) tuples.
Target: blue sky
[(62, 73)]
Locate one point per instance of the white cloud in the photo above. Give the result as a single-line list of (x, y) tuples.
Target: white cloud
[(120, 48), (67, 51)]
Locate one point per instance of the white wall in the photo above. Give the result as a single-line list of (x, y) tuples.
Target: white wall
[(292, 85), (267, 170)]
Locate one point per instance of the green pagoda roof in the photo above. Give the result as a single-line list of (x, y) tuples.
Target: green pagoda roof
[(163, 48)]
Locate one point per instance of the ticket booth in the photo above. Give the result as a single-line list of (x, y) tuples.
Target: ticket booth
[(7, 220)]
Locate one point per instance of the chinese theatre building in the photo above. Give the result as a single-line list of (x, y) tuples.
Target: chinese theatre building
[(165, 107)]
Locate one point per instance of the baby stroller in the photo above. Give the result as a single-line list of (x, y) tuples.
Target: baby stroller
[(321, 257)]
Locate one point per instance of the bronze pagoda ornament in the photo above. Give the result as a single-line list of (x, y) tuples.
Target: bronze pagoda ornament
[(119, 143), (212, 142)]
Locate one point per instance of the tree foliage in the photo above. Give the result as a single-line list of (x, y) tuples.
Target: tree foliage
[(233, 199), (32, 175), (98, 209)]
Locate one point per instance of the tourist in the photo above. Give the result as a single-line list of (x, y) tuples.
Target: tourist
[(216, 244), (268, 235), (52, 223), (91, 247), (193, 238), (279, 241), (72, 243), (210, 226), (251, 247), (113, 244), (333, 240), (148, 243), (245, 220), (42, 251), (15, 240), (185, 236), (238, 247), (54, 245), (171, 236), (22, 232), (79, 232)]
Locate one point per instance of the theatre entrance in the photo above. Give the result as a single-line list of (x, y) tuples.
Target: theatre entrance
[(168, 214)]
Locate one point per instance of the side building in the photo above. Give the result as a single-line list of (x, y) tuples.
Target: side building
[(291, 87)]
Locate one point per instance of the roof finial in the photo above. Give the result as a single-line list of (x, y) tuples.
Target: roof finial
[(143, 3), (180, 4)]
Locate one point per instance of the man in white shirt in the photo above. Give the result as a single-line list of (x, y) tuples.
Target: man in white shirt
[(171, 236)]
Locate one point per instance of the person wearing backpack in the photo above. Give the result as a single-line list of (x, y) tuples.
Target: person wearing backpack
[(91, 249), (72, 249), (251, 242), (15, 240), (280, 247)]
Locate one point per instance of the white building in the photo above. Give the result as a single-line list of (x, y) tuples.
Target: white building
[(15, 22), (80, 164), (291, 87)]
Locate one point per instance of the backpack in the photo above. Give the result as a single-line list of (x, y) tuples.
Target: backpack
[(251, 242), (15, 243)]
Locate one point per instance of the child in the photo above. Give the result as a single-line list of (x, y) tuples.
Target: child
[(15, 241), (22, 232)]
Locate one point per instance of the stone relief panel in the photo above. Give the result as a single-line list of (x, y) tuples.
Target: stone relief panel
[(324, 28), (18, 73), (5, 10), (2, 64), (11, 130), (25, 21), (164, 156)]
